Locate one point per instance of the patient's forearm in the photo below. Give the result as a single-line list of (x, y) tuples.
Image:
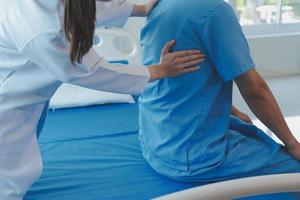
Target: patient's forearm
[(264, 106)]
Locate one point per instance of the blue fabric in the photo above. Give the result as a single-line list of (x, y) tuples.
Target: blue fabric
[(185, 121), (42, 120), (124, 62), (94, 153)]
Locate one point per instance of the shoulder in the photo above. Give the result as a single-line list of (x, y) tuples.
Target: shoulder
[(33, 18), (204, 10), (219, 13), (222, 9)]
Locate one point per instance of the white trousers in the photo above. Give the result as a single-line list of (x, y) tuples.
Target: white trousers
[(20, 159)]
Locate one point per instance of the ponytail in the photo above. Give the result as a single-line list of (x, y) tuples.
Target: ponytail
[(79, 26)]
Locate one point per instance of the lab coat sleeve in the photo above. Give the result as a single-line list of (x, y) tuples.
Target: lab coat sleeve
[(49, 51), (114, 13)]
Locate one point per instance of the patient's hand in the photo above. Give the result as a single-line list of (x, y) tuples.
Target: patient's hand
[(244, 117), (240, 115)]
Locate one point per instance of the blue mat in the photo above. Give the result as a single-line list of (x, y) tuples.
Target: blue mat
[(93, 153)]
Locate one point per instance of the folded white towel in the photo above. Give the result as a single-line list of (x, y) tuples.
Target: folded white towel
[(69, 96)]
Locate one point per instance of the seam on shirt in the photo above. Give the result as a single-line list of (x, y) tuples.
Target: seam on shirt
[(240, 72), (7, 77), (35, 36), (95, 66), (16, 46), (212, 13)]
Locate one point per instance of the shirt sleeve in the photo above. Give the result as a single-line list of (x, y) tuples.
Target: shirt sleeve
[(226, 44), (114, 13), (49, 51)]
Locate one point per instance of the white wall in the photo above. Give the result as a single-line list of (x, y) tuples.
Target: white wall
[(276, 55)]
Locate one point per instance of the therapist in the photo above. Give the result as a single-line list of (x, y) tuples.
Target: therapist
[(44, 43)]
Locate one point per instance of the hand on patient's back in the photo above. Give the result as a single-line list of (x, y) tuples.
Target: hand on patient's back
[(180, 62)]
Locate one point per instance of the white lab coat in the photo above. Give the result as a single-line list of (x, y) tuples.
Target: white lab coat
[(34, 61)]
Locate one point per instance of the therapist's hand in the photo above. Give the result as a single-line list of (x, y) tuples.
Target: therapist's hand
[(144, 10), (176, 63)]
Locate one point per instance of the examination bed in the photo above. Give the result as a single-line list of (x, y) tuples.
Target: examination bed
[(93, 153)]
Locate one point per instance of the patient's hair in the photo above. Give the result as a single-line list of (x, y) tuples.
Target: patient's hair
[(79, 26)]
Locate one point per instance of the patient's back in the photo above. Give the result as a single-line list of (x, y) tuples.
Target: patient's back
[(183, 120)]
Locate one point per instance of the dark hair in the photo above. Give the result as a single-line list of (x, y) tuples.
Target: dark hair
[(79, 26)]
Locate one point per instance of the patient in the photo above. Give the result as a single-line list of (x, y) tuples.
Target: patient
[(187, 131)]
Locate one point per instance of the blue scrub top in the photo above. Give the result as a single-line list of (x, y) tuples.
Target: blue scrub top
[(184, 120)]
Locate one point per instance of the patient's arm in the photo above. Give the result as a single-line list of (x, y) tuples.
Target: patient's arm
[(263, 104), (240, 115)]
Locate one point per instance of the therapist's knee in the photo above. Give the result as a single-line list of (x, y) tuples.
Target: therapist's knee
[(37, 171), (16, 187), (34, 172)]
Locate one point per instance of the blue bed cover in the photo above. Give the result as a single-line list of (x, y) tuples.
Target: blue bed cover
[(93, 153)]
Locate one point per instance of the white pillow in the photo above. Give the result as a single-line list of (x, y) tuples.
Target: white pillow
[(69, 96)]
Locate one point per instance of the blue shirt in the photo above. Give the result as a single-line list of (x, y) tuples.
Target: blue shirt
[(184, 120)]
